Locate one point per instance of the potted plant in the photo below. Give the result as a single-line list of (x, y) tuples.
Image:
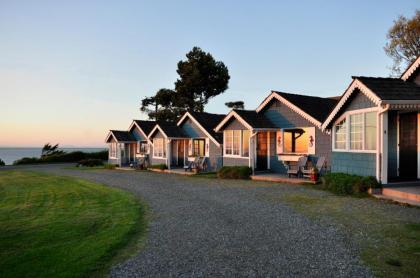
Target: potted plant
[(314, 174)]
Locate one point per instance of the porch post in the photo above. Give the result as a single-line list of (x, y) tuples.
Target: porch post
[(129, 153), (384, 146), (268, 150), (168, 154)]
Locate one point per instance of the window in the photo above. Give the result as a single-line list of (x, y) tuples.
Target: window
[(199, 147), (340, 135), (245, 143), (236, 143), (159, 148), (356, 132), (295, 140), (113, 150), (142, 147), (370, 131)]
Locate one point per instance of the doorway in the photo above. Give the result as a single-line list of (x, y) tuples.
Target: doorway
[(262, 151), (408, 146)]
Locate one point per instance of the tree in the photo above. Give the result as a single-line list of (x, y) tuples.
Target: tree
[(49, 150), (162, 106), (235, 104), (200, 78), (403, 44)]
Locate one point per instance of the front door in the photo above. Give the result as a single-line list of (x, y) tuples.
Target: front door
[(181, 151), (408, 145), (262, 151)]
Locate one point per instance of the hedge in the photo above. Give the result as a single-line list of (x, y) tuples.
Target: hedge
[(91, 162), (2, 162), (234, 172), (65, 157), (345, 184)]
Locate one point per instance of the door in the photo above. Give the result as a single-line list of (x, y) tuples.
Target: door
[(262, 151), (181, 152), (408, 145)]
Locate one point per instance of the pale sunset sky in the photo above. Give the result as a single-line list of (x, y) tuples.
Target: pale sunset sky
[(72, 70)]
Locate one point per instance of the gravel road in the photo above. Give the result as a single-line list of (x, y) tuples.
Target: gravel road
[(209, 227)]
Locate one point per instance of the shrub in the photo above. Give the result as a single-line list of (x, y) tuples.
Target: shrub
[(90, 162), (234, 172), (109, 166), (159, 166), (63, 157), (2, 162), (345, 184)]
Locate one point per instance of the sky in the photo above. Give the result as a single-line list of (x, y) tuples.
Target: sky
[(72, 70)]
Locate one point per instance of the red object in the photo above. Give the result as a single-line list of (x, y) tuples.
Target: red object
[(314, 176)]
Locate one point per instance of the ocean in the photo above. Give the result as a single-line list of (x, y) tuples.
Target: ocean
[(9, 155)]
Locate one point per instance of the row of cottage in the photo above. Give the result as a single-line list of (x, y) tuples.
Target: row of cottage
[(371, 130)]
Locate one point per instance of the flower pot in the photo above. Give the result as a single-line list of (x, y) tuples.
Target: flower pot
[(314, 177)]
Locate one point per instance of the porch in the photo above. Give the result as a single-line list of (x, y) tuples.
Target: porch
[(279, 178), (406, 193)]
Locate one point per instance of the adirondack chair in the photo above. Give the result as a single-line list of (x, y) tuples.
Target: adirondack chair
[(192, 164), (297, 169), (202, 164), (319, 166)]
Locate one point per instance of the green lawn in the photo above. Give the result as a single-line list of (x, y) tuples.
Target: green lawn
[(388, 235), (54, 226)]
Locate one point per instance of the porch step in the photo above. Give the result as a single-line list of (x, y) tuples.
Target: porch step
[(408, 193), (278, 178), (398, 200)]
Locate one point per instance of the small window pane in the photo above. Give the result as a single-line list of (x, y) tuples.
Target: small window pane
[(370, 131), (340, 135), (228, 141), (236, 141), (356, 131), (245, 143)]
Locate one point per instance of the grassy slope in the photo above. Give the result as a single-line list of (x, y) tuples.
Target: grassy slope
[(62, 227), (388, 234)]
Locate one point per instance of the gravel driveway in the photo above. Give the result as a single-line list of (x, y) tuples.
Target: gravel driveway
[(210, 227)]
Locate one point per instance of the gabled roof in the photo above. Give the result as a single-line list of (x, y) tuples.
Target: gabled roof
[(207, 122), (313, 109), (410, 72), (169, 130), (391, 88), (120, 136), (145, 126), (249, 118)]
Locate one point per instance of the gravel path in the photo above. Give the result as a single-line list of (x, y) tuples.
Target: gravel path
[(210, 227)]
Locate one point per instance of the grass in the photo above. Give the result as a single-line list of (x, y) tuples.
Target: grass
[(54, 226), (388, 235)]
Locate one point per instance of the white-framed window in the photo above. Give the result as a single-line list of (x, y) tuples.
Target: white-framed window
[(236, 143), (113, 150), (295, 140), (159, 149), (199, 147), (356, 131), (142, 147)]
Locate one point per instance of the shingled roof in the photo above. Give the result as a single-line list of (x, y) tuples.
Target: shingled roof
[(123, 136), (146, 126), (254, 119), (317, 107), (391, 88), (209, 121), (171, 130)]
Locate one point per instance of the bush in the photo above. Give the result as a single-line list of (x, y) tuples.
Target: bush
[(2, 162), (159, 166), (63, 157), (90, 162), (345, 184), (234, 172), (109, 166)]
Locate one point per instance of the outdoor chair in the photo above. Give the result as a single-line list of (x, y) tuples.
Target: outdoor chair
[(297, 168), (192, 164), (319, 166), (202, 164)]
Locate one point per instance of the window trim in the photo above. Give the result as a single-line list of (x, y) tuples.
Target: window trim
[(240, 144), (163, 148), (346, 116), (193, 147), (115, 153)]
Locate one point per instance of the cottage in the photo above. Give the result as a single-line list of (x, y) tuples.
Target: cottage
[(375, 127), (176, 144), (127, 147), (282, 129)]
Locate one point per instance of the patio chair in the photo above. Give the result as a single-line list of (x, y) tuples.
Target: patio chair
[(192, 164), (297, 168), (202, 164), (319, 166)]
